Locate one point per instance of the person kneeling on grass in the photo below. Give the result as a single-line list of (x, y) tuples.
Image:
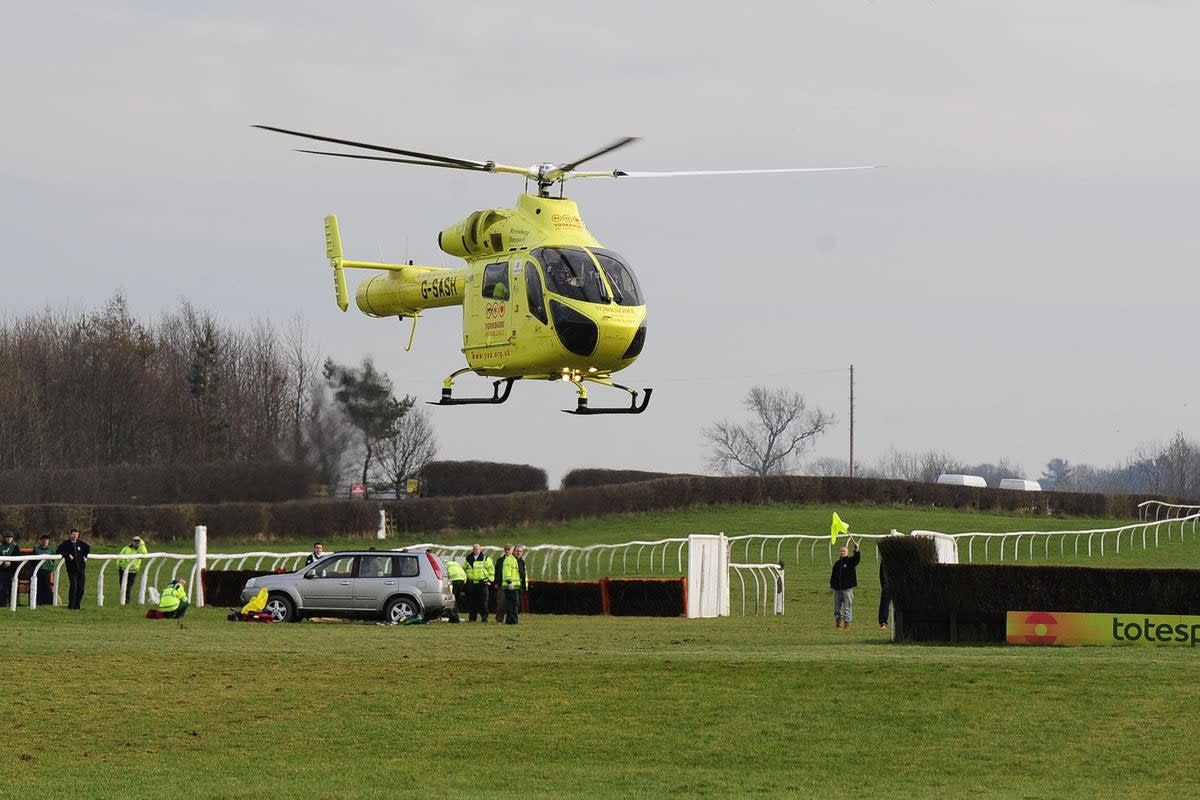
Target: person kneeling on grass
[(174, 601)]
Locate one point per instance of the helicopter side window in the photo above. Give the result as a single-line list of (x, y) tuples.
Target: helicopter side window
[(624, 285), (572, 273), (533, 292), (495, 281)]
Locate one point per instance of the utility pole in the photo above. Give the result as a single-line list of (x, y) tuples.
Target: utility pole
[(851, 420)]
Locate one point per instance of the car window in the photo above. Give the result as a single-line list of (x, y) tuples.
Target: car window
[(409, 566), (375, 567), (334, 567)]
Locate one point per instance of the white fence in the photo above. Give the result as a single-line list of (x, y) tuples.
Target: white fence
[(158, 569), (767, 584), (759, 571), (760, 585), (663, 556), (758, 579), (560, 562), (762, 545), (1156, 510), (1091, 542)]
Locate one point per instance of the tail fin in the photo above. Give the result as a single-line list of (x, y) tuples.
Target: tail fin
[(333, 251)]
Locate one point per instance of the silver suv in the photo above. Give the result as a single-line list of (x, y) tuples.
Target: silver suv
[(391, 584)]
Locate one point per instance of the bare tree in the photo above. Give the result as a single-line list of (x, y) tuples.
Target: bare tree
[(301, 367), (994, 473), (830, 467), (781, 427), (934, 464), (900, 465), (1178, 461), (1144, 471), (411, 447)]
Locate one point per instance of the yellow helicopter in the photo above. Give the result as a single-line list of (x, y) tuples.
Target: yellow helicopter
[(542, 298)]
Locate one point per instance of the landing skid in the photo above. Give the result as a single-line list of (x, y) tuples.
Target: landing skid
[(582, 406), (497, 397)]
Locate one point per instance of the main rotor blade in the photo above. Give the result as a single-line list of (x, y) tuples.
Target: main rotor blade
[(679, 173), (463, 162), (484, 168), (619, 143)]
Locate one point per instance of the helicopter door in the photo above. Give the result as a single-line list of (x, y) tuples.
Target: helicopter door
[(497, 304), (531, 318)]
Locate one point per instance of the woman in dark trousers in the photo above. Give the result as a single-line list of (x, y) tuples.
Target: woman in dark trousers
[(885, 599), (75, 552)]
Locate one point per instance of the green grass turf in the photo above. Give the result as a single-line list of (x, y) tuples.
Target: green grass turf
[(103, 703)]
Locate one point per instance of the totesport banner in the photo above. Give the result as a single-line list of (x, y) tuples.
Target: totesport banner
[(1069, 628)]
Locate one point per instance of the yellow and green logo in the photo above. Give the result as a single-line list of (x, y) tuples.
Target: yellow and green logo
[(1071, 628)]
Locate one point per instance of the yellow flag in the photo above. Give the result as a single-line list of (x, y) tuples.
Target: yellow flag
[(836, 527)]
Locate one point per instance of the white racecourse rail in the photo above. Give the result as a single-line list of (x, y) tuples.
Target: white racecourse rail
[(761, 555), (1143, 534), (158, 569)]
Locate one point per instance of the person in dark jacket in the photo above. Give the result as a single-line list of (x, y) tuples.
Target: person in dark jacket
[(45, 571), (481, 573), (842, 581), (885, 599), (8, 569), (510, 578), (75, 552)]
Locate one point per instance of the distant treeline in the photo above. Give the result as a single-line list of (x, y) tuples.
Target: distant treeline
[(224, 481), (424, 517), (92, 389)]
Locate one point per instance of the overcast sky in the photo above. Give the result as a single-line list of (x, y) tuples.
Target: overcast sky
[(1020, 283)]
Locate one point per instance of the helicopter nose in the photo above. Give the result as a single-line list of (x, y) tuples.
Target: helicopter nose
[(620, 340)]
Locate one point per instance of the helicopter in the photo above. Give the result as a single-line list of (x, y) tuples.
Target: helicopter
[(542, 299)]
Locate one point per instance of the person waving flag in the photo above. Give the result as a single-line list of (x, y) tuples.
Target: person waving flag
[(836, 527)]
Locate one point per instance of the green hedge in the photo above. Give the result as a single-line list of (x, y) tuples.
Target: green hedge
[(633, 597), (459, 478), (604, 477), (564, 597), (159, 483), (423, 517)]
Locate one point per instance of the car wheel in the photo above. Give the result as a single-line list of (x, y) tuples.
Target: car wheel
[(282, 608), (398, 609)]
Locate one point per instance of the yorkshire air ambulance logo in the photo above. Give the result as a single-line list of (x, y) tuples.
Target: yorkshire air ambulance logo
[(1038, 627)]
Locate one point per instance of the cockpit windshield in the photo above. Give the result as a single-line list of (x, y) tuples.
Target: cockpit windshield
[(620, 277), (572, 272)]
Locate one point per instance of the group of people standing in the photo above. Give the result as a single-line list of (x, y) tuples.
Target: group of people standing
[(74, 552), (474, 581)]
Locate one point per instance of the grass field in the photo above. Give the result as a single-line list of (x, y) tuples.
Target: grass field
[(103, 703)]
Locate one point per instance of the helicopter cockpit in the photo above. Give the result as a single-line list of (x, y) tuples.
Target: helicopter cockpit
[(575, 273)]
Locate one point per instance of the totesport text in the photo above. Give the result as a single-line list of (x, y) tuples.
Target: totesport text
[(1072, 628)]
